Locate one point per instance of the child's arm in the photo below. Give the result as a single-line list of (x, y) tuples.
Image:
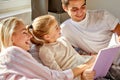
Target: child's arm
[(48, 59)]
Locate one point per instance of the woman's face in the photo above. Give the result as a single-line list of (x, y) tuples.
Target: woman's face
[(21, 37)]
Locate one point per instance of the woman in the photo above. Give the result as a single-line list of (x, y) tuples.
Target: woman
[(17, 64)]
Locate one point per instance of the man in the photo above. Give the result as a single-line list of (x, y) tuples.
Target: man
[(88, 30)]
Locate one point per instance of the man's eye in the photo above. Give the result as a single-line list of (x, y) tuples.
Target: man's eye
[(83, 7), (74, 10)]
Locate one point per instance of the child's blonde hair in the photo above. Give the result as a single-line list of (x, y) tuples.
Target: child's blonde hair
[(7, 28), (40, 27)]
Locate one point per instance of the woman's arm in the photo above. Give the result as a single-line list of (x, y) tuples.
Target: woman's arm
[(22, 63), (84, 70)]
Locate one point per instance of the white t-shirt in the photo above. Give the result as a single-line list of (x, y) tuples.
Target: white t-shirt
[(91, 34)]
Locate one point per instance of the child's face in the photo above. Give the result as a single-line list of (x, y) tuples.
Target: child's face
[(54, 33), (21, 37)]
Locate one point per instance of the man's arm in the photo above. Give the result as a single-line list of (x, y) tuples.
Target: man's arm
[(117, 31)]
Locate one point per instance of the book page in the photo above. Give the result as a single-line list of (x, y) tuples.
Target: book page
[(114, 40), (104, 60)]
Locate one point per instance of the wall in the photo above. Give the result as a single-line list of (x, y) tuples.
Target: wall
[(60, 17), (16, 8), (111, 5)]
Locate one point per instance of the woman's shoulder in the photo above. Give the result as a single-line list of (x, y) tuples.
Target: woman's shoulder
[(10, 49), (13, 51)]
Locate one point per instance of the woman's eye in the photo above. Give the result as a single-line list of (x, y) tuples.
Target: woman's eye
[(57, 27), (24, 32)]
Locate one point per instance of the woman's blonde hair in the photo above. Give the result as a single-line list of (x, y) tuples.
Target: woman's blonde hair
[(40, 27), (7, 28)]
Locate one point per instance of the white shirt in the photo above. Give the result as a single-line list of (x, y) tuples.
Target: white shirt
[(91, 34)]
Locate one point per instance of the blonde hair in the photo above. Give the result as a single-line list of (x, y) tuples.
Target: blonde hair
[(7, 29), (40, 27)]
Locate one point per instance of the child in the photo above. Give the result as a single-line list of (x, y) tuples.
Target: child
[(55, 51)]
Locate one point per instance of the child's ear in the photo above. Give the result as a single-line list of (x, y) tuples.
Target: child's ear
[(46, 37)]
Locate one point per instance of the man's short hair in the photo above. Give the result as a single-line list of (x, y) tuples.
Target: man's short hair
[(66, 2)]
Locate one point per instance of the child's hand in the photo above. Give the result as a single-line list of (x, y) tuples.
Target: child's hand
[(88, 75), (91, 61)]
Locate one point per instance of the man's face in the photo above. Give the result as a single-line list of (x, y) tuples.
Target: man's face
[(76, 9)]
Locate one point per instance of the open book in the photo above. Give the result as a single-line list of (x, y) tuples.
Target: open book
[(105, 58), (114, 40)]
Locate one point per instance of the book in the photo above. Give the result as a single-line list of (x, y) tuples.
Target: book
[(104, 60), (114, 40), (106, 57)]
